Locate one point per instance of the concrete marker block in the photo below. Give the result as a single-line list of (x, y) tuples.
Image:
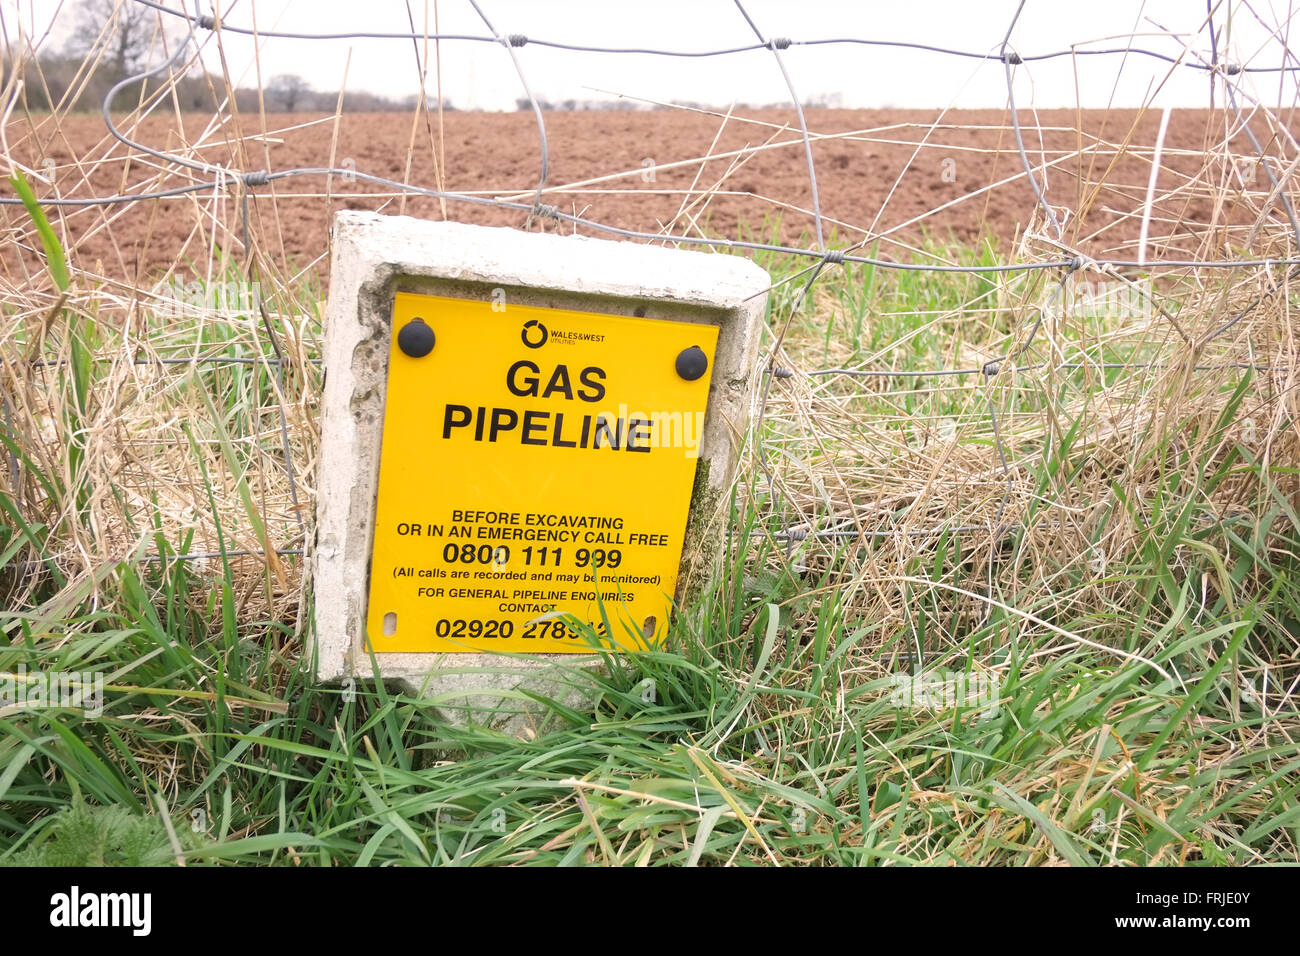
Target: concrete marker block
[(375, 256)]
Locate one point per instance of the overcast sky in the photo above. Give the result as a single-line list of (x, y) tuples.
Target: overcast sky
[(481, 75)]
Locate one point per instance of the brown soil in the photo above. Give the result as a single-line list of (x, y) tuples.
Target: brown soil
[(877, 181)]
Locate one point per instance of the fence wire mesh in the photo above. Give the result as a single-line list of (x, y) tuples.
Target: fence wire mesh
[(970, 426)]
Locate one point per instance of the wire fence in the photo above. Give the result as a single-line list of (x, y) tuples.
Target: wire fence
[(791, 522)]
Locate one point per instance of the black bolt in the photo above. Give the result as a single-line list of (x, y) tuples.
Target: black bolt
[(415, 338), (692, 363)]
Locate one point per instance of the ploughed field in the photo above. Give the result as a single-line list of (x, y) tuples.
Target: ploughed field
[(890, 175)]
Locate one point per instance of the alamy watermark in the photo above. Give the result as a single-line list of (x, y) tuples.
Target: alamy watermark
[(616, 429), (1083, 298), (77, 908), (177, 299), (76, 690), (946, 690)]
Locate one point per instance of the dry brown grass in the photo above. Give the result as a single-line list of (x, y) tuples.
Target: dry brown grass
[(889, 459)]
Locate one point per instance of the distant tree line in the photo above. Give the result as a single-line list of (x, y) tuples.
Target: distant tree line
[(826, 100), (111, 41), (65, 81)]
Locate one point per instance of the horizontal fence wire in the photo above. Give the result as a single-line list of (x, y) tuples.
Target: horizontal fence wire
[(780, 43), (216, 179)]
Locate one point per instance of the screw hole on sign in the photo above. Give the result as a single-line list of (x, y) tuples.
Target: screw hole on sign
[(390, 624), (648, 627)]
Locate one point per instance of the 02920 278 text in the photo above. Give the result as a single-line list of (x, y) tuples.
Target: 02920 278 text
[(474, 629)]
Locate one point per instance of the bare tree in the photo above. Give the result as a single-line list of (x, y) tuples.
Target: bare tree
[(125, 31), (288, 88)]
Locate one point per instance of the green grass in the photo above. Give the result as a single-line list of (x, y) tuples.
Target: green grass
[(1144, 711)]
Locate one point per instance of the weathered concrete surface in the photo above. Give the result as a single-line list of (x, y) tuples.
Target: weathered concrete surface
[(376, 256)]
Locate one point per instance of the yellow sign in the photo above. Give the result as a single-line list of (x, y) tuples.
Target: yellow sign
[(536, 463)]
